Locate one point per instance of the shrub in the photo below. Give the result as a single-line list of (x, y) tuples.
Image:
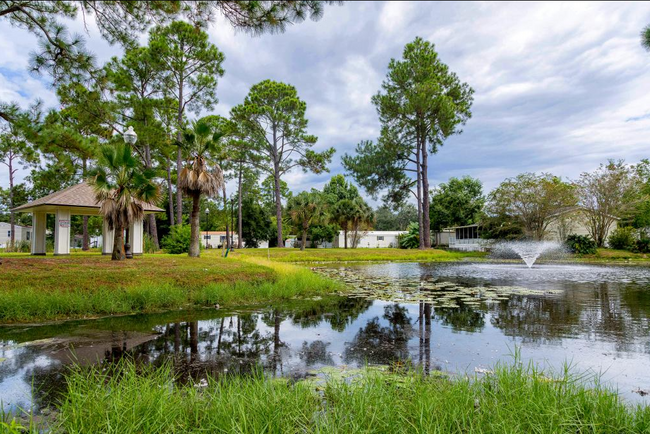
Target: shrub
[(149, 246), (581, 244), (411, 239), (642, 245), (178, 240), (622, 239)]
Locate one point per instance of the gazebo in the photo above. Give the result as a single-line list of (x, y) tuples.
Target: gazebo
[(76, 200)]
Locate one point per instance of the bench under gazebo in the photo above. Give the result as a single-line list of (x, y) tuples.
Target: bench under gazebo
[(76, 200)]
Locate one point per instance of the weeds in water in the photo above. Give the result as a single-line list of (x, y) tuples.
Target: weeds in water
[(514, 399)]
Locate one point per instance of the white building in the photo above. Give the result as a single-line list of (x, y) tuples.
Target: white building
[(216, 239), (466, 238), (23, 233), (368, 239), (76, 200)]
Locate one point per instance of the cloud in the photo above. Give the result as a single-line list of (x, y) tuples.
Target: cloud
[(559, 87)]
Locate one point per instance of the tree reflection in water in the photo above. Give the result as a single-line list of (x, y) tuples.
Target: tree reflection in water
[(377, 344)]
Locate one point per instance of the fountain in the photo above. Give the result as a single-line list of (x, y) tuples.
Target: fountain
[(528, 251)]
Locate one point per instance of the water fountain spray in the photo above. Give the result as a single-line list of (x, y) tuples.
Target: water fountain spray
[(528, 251)]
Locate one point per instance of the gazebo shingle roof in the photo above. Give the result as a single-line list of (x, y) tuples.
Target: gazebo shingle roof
[(80, 195)]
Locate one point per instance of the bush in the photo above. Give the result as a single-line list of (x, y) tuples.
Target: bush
[(622, 239), (411, 239), (178, 240), (149, 246), (581, 244), (642, 245)]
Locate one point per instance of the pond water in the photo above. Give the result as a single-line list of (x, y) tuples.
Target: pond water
[(460, 317)]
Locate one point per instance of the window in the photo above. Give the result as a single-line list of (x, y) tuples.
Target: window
[(27, 235), (380, 238), (9, 233), (223, 237), (208, 237)]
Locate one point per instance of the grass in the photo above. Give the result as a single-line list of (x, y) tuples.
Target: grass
[(350, 255), (515, 399), (613, 255), (39, 289)]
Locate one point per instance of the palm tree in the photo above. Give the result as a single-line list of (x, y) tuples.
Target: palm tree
[(306, 209), (342, 214), (201, 175), (362, 219), (352, 215), (122, 186)]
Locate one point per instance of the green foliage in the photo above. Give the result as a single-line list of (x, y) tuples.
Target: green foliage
[(273, 123), (304, 210), (338, 189), (501, 227), (321, 233), (411, 239), (387, 220), (149, 245), (613, 191), (178, 240), (459, 202), (532, 199), (622, 238), (516, 398), (642, 245), (256, 224), (581, 245)]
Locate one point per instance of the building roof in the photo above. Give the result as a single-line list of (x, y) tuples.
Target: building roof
[(475, 225), (77, 196)]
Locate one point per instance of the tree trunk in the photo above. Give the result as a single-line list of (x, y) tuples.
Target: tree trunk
[(85, 244), (303, 242), (426, 218), (240, 226), (419, 198), (170, 191), (345, 238), (225, 210), (118, 244), (179, 156), (152, 228), (12, 216), (195, 248), (153, 231), (179, 193), (278, 207)]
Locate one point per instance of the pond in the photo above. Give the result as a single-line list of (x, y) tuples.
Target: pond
[(457, 317)]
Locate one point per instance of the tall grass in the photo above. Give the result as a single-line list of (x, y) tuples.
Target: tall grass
[(285, 281), (514, 399)]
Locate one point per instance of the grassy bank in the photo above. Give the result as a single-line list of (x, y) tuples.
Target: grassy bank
[(514, 399), (39, 289), (350, 255)]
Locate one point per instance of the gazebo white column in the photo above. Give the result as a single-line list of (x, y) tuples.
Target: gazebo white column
[(107, 239), (136, 233), (38, 233), (62, 232)]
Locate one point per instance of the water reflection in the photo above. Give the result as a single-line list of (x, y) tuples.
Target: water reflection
[(600, 325)]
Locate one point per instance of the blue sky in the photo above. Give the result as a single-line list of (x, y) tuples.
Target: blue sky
[(559, 87)]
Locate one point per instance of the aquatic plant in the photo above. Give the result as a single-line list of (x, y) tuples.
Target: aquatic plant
[(511, 398)]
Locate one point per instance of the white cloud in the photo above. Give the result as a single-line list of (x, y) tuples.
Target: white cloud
[(559, 86)]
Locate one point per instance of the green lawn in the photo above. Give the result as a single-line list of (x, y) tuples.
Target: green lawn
[(342, 255), (85, 285)]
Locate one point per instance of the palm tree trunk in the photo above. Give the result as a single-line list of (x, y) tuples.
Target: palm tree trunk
[(195, 248), (118, 244), (304, 239), (345, 238)]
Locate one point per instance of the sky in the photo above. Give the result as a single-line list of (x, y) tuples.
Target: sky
[(559, 87)]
